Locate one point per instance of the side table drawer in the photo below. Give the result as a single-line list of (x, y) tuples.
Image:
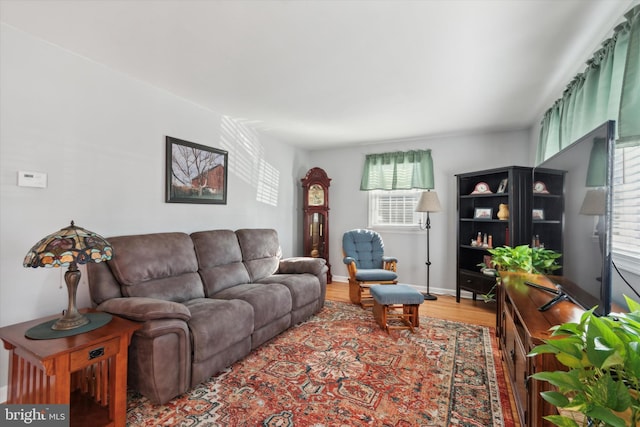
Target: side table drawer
[(91, 355)]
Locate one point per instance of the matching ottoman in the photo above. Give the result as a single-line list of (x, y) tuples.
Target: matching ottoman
[(399, 302)]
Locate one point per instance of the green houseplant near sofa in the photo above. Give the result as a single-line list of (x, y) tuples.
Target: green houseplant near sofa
[(520, 258), (603, 379)]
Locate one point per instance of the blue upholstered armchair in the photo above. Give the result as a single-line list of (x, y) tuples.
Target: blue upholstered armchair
[(364, 257)]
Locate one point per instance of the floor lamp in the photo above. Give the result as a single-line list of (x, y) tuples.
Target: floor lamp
[(428, 203)]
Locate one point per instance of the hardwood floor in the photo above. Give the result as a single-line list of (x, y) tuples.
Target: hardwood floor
[(445, 307)]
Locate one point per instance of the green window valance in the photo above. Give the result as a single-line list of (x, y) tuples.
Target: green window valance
[(400, 170), (608, 89)]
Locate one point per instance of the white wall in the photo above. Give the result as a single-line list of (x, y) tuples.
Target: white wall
[(100, 137), (451, 155)]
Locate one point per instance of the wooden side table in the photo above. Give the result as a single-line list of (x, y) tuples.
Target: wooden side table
[(86, 371)]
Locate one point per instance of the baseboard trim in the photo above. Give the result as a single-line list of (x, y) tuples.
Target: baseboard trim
[(420, 288)]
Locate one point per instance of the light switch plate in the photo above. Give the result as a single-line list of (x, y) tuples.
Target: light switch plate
[(32, 179)]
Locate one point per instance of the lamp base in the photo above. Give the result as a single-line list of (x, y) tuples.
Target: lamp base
[(72, 321), (428, 297), (71, 318), (43, 331)]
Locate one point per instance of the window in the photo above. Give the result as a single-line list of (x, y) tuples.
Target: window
[(395, 208), (626, 208), (395, 182)]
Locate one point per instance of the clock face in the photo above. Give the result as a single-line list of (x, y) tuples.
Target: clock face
[(316, 195), (539, 187), (480, 188)]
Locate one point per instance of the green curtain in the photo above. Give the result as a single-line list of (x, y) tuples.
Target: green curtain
[(400, 170), (608, 89), (629, 124)]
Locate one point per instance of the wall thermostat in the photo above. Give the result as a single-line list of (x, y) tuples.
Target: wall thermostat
[(32, 179)]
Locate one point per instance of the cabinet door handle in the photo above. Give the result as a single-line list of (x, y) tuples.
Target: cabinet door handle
[(513, 355)]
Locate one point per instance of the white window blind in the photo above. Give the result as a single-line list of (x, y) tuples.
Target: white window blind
[(626, 204), (395, 208)]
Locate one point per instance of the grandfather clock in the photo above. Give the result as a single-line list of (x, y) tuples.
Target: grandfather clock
[(315, 202)]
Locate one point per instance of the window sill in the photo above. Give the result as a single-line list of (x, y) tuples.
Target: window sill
[(399, 229), (627, 263)]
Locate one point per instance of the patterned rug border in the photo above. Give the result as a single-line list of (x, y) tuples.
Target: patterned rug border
[(202, 406)]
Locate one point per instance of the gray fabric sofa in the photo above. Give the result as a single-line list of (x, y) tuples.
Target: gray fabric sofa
[(205, 299)]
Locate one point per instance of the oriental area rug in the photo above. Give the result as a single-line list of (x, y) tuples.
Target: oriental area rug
[(340, 369)]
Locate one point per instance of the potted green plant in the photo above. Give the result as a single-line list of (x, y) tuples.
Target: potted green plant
[(520, 258), (602, 382)]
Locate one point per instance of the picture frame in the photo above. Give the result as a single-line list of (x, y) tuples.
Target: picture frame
[(503, 185), (537, 214), (488, 261), (195, 173), (483, 213)]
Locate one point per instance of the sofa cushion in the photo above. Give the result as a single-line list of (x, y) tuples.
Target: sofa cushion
[(159, 265), (304, 288), (217, 324), (261, 251), (269, 301), (220, 260)]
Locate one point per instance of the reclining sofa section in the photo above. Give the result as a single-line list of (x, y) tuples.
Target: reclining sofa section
[(206, 300)]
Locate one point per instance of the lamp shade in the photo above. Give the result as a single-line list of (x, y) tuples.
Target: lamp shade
[(69, 245), (594, 202), (428, 202), (67, 248)]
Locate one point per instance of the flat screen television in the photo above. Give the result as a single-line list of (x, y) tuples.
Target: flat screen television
[(586, 274)]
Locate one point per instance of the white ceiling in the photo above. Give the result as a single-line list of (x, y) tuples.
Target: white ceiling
[(324, 73)]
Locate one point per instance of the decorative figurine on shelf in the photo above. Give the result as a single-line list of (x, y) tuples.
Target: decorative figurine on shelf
[(503, 211)]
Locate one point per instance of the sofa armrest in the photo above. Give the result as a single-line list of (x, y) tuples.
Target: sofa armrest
[(298, 265), (141, 309), (389, 259)]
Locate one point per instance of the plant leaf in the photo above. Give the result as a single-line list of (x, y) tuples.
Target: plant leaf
[(543, 349), (568, 329), (604, 348), (555, 398), (633, 305), (603, 414), (570, 345), (573, 362), (565, 380), (632, 364), (561, 421)]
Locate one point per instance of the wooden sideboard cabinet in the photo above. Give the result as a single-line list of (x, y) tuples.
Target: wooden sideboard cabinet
[(521, 327)]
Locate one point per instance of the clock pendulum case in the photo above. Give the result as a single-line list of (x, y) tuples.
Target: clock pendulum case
[(315, 207)]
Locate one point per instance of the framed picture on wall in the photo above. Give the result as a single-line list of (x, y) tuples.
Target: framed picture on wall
[(195, 173)]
